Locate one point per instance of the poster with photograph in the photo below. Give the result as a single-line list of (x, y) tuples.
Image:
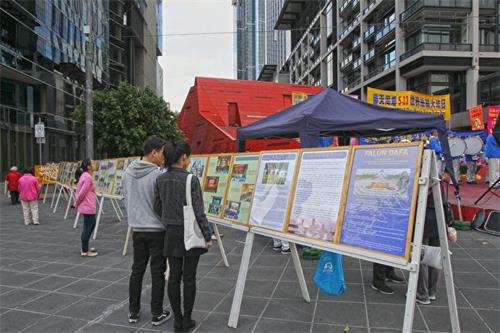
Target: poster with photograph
[(109, 179), (215, 183), (62, 172), (272, 190), (97, 168), (101, 177), (117, 184), (198, 166), (318, 193), (381, 198), (241, 187), (70, 178)]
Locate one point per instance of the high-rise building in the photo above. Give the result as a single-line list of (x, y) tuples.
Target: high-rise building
[(434, 47), (42, 67)]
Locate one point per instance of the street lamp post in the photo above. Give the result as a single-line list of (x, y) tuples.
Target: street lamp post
[(89, 116)]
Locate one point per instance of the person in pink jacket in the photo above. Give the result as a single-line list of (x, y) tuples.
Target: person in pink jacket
[(85, 203), (29, 188)]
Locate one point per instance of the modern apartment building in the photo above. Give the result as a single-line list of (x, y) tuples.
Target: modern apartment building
[(430, 46), (42, 67)]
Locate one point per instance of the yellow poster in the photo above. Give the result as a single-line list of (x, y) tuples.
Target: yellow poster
[(411, 101), (298, 97)]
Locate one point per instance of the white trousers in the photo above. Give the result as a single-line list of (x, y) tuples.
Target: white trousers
[(493, 170), (30, 208)]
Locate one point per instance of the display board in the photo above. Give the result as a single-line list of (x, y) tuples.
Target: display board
[(121, 166), (101, 176), (215, 183), (381, 197), (70, 177), (318, 193), (242, 179), (62, 172), (198, 166), (97, 168), (272, 190), (109, 178)]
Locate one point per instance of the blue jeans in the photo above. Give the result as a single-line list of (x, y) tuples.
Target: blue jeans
[(88, 227)]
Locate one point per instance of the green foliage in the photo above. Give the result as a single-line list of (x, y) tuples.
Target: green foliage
[(124, 117)]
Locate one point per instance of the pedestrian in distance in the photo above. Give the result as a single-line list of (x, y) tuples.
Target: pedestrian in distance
[(149, 232), (383, 274), (170, 201), (85, 203), (492, 153), (29, 189), (12, 179)]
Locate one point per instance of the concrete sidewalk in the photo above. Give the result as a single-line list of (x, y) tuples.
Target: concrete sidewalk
[(45, 286)]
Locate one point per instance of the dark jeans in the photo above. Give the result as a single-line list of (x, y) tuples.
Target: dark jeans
[(14, 197), (88, 227), (148, 245), (182, 268), (380, 273)]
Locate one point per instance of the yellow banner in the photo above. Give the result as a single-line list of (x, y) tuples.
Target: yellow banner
[(411, 101), (298, 97)]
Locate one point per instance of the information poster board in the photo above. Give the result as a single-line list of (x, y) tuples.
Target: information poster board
[(62, 172), (70, 178), (272, 190), (109, 179), (242, 180), (318, 193), (381, 198), (103, 171), (117, 184), (215, 183), (198, 166)]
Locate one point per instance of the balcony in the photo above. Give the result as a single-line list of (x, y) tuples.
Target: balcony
[(369, 7), (347, 7), (355, 44), (369, 33), (385, 31), (416, 6), (369, 56), (346, 62), (436, 47), (289, 13), (348, 29), (380, 69), (357, 63), (489, 48)]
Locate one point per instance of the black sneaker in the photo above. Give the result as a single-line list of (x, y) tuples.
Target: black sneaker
[(287, 251), (383, 289), (158, 320), (423, 301), (395, 278), (133, 317), (277, 248)]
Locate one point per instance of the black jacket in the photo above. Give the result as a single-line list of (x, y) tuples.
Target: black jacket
[(170, 198)]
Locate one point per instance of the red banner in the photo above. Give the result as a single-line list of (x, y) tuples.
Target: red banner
[(493, 112), (476, 117)]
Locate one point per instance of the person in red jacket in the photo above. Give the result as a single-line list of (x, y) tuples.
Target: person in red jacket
[(12, 180), (29, 189)]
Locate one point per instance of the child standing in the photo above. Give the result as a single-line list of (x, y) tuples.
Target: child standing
[(29, 188)]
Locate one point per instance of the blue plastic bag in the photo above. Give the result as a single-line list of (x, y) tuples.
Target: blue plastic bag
[(329, 275)]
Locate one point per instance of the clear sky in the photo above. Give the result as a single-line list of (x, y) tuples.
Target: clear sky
[(185, 57)]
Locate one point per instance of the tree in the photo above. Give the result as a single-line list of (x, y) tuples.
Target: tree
[(124, 117)]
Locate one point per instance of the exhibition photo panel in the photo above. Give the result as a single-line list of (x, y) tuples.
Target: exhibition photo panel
[(381, 198), (215, 183), (198, 167), (275, 181), (318, 193), (243, 177)]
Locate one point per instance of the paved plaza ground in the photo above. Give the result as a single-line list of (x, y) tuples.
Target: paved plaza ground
[(45, 286)]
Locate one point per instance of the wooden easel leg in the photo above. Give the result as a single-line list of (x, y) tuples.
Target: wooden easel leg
[(240, 283), (127, 238), (220, 245), (445, 253), (69, 204), (101, 203), (300, 273), (57, 201), (115, 209), (76, 220), (53, 196), (119, 208)]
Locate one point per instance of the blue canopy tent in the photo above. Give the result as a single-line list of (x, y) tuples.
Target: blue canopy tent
[(331, 113)]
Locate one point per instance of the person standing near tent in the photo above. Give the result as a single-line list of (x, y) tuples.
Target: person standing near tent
[(29, 189), (171, 199), (470, 162), (492, 152), (12, 180), (149, 232), (383, 274), (85, 203), (435, 145)]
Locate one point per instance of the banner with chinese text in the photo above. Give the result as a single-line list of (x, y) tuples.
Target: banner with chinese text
[(476, 117), (411, 101), (493, 112)]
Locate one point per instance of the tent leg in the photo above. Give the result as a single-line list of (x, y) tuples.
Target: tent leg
[(101, 203), (300, 273), (76, 220), (220, 245), (69, 204), (127, 239), (240, 283), (57, 201)]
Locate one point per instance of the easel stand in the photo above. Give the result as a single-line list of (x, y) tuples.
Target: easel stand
[(63, 189), (428, 178)]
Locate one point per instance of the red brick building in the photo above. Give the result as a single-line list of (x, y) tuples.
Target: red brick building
[(215, 108)]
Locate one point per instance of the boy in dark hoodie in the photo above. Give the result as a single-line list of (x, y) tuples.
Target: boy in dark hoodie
[(149, 232)]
